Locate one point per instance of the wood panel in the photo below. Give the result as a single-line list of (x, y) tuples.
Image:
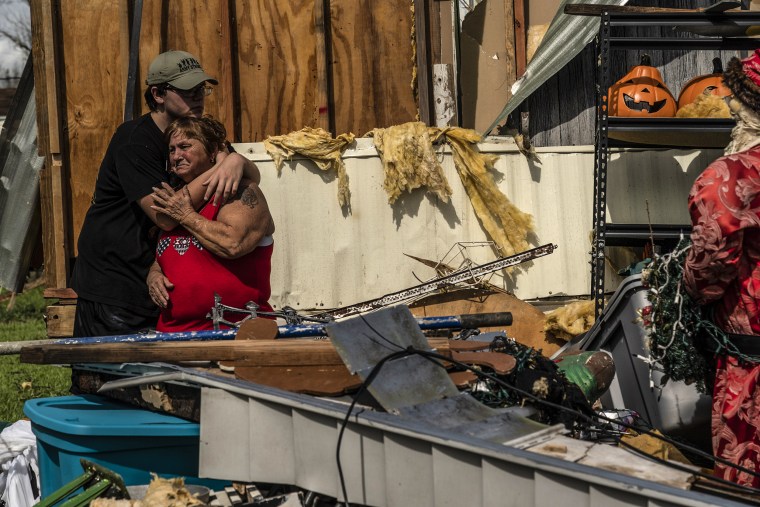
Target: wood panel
[(151, 43), (53, 205), (93, 56), (202, 28), (279, 70), (372, 64)]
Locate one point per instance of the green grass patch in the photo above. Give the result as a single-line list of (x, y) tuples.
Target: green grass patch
[(24, 321)]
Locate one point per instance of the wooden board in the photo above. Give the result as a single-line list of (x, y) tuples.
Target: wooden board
[(54, 203), (372, 64), (59, 320), (278, 67), (87, 73), (203, 29), (281, 352)]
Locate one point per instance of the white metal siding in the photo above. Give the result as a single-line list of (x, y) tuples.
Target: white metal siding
[(325, 257), (386, 461)]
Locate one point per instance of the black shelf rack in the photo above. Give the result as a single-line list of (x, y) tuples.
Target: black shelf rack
[(654, 132)]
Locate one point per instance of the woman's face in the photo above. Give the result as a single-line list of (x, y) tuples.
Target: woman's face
[(187, 157)]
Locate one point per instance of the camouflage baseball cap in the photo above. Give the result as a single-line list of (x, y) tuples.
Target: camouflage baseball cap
[(179, 69)]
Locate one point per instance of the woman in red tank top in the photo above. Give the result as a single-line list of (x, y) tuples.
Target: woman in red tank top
[(223, 248)]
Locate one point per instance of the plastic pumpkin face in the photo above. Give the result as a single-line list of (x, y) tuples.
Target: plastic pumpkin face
[(642, 93), (703, 85)]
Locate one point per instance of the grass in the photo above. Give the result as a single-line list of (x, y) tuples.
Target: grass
[(22, 319)]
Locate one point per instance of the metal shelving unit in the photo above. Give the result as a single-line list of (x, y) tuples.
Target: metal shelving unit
[(654, 132)]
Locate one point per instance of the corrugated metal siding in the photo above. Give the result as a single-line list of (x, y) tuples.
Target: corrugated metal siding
[(20, 167), (325, 257), (254, 434)]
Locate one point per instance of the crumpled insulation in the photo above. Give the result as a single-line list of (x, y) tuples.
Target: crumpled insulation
[(160, 493), (409, 161), (318, 146), (571, 320)]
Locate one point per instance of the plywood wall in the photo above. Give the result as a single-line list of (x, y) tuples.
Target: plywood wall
[(344, 65)]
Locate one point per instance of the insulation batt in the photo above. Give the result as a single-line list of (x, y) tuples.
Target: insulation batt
[(412, 142), (705, 106), (318, 146), (161, 493), (410, 162), (570, 320)]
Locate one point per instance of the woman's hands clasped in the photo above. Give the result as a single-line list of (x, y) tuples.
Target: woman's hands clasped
[(173, 203)]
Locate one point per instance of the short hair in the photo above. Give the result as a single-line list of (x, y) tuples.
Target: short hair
[(209, 131), (150, 100)]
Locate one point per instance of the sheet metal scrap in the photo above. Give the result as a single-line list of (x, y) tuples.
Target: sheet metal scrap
[(465, 275), (418, 388)]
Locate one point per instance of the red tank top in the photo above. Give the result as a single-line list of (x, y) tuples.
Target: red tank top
[(197, 274)]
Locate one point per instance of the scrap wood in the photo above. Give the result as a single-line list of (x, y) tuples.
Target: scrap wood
[(281, 352), (318, 146)]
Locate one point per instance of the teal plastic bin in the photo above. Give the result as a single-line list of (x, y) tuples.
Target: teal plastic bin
[(127, 440)]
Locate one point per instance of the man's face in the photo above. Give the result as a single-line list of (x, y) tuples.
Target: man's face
[(181, 103)]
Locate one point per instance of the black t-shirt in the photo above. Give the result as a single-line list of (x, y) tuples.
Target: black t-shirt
[(118, 241)]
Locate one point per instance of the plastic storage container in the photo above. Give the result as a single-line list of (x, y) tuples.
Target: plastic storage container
[(677, 409), (127, 440)]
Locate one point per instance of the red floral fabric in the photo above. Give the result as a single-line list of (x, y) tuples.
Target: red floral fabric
[(723, 269)]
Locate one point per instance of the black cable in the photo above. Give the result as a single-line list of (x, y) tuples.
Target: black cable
[(590, 419), (364, 386)]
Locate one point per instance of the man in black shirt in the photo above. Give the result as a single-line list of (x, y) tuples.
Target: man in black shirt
[(118, 238)]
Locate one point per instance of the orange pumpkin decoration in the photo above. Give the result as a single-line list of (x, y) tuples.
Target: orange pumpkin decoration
[(642, 93), (706, 84)]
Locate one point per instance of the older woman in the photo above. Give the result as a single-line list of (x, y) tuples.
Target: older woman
[(223, 249)]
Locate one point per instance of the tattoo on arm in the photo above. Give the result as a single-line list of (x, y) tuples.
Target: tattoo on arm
[(249, 198)]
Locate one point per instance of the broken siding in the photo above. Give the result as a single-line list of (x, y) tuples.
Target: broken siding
[(344, 257)]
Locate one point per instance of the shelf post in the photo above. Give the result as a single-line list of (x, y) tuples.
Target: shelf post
[(601, 156)]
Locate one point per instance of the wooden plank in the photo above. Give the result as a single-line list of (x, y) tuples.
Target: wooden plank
[(244, 352), (60, 320), (202, 28), (152, 42), (278, 62), (93, 58), (57, 241), (54, 293), (520, 37), (372, 64), (44, 50), (322, 55), (424, 71)]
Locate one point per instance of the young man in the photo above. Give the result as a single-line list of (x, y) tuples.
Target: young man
[(118, 238)]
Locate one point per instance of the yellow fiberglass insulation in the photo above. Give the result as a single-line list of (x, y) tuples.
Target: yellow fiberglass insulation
[(409, 161), (570, 320), (507, 226), (318, 146)]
